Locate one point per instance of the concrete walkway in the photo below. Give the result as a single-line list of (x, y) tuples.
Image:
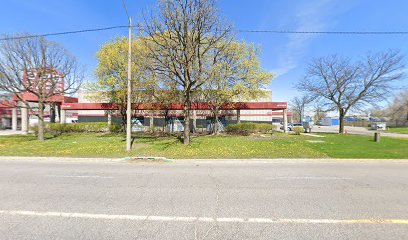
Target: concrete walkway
[(10, 132)]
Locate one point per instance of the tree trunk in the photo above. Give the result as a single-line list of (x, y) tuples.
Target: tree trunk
[(186, 140), (40, 120), (194, 121), (124, 118), (151, 122), (166, 121), (341, 120), (216, 129), (52, 113), (58, 110)]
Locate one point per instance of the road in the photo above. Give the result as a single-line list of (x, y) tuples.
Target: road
[(281, 199), (356, 130)]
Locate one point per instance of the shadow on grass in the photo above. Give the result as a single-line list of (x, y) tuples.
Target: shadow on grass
[(32, 137), (163, 142)]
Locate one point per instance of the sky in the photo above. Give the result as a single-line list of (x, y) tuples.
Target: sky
[(285, 55)]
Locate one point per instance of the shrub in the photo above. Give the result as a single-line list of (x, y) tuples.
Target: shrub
[(55, 128), (153, 129), (34, 129), (248, 128), (115, 128), (58, 128), (298, 130), (241, 128), (263, 127)]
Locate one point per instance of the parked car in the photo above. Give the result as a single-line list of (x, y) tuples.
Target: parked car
[(291, 126)]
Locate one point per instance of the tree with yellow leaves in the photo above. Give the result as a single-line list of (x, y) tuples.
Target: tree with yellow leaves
[(236, 76), (111, 72)]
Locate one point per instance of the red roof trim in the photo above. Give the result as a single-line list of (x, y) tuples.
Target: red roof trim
[(179, 106)]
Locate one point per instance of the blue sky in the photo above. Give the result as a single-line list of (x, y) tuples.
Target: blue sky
[(284, 55)]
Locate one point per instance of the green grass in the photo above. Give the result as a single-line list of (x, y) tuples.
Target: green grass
[(360, 146), (205, 147), (403, 130), (277, 146)]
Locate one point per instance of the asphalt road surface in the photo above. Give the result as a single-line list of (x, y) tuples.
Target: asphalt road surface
[(287, 199), (356, 130)]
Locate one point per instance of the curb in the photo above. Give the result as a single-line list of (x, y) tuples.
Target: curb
[(147, 159), (186, 161)]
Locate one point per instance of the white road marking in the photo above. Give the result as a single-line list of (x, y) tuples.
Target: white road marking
[(77, 176), (201, 219), (310, 178)]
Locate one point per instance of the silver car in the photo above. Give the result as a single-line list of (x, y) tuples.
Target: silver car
[(291, 126)]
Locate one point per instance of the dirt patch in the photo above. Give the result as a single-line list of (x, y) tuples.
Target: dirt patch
[(138, 146)]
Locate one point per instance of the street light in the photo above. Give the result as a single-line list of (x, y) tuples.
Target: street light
[(129, 86)]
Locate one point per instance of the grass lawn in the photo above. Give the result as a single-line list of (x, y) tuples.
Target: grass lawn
[(403, 130), (277, 145), (360, 146)]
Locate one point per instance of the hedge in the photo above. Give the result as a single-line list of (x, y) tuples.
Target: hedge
[(248, 128), (85, 127)]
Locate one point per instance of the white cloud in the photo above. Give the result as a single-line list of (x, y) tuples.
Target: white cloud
[(310, 17)]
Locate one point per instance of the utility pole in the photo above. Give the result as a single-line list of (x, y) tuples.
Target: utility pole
[(129, 86), (129, 93)]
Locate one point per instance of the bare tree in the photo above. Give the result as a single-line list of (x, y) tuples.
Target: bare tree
[(43, 68), (299, 105), (320, 111), (179, 40), (345, 84), (398, 110)]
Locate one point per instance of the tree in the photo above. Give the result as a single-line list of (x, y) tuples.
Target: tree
[(319, 111), (111, 72), (40, 67), (345, 84), (298, 106), (398, 110), (164, 95), (236, 75), (179, 41)]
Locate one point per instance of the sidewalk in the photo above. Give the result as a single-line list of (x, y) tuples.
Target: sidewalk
[(191, 161), (10, 132)]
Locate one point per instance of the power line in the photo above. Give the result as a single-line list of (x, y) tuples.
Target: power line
[(238, 31), (62, 33), (327, 32)]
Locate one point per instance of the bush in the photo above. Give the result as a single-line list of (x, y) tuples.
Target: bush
[(34, 129), (55, 128), (264, 127), (248, 128), (241, 128), (298, 130), (115, 128), (97, 127)]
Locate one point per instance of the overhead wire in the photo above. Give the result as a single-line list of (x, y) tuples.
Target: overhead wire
[(237, 31)]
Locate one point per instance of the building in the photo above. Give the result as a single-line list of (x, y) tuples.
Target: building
[(202, 116), (88, 108)]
